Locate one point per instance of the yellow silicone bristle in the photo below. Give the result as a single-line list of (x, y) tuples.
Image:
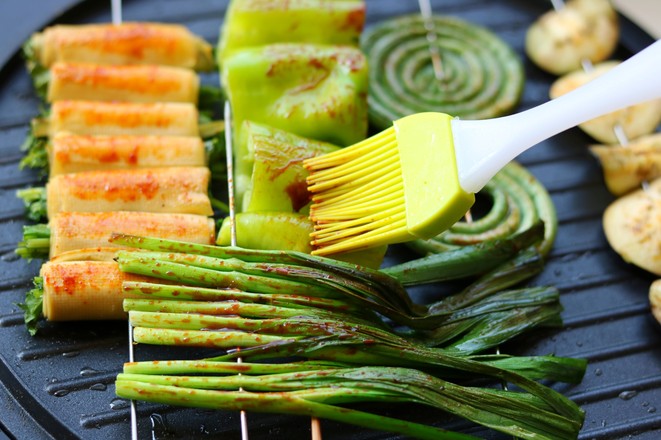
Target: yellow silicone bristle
[(396, 186), (357, 194)]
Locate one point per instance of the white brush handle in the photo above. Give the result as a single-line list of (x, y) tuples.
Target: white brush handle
[(485, 147)]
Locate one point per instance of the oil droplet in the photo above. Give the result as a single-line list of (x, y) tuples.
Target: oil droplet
[(60, 393), (87, 371), (651, 409), (70, 354), (598, 372), (626, 395), (118, 403), (645, 404), (99, 387), (579, 344)]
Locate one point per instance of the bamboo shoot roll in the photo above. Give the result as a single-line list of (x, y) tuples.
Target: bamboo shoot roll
[(80, 230), (173, 189), (96, 82), (69, 153), (128, 43), (84, 290), (123, 118)]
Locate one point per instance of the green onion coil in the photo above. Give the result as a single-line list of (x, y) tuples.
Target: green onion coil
[(482, 76), (518, 200)]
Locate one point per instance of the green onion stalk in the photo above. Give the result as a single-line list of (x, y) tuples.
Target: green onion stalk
[(35, 243), (322, 389), (277, 272), (261, 305)]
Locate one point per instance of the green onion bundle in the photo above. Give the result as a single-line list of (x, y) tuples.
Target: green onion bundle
[(270, 305), (482, 76), (319, 388)]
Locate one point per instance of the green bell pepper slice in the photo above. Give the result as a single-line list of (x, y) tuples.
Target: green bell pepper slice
[(315, 91), (251, 23), (286, 231), (276, 181)]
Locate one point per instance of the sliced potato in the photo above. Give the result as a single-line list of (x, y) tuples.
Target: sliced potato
[(636, 121), (631, 225), (626, 167), (583, 30)]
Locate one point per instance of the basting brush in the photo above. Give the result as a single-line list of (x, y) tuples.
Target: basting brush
[(419, 177)]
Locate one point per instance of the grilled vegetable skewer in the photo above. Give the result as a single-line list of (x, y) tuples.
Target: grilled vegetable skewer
[(96, 118), (68, 231), (98, 82), (77, 291), (162, 190), (291, 387), (128, 43), (69, 153)]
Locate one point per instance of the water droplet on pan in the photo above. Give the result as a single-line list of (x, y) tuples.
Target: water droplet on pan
[(119, 404), (99, 387), (87, 371), (626, 395)]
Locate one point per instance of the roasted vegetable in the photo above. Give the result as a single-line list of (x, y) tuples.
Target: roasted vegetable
[(127, 43), (264, 271), (631, 224), (314, 91), (96, 119), (635, 121), (250, 23), (98, 82), (287, 231), (77, 291), (559, 41), (481, 76), (69, 153), (273, 166), (119, 118), (625, 167), (315, 388), (174, 189), (296, 330), (69, 231)]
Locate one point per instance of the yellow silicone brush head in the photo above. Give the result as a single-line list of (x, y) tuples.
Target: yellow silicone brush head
[(396, 186)]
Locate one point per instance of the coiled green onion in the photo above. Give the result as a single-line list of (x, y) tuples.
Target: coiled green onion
[(517, 201), (482, 76)]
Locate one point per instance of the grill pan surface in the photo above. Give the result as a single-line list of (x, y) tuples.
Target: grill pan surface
[(60, 384)]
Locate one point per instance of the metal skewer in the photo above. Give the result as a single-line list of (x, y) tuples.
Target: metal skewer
[(229, 159), (116, 11), (437, 62)]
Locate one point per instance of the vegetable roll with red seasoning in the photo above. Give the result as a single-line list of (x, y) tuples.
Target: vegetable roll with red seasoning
[(173, 189), (84, 290), (79, 230), (121, 118), (127, 43), (69, 153), (96, 82)]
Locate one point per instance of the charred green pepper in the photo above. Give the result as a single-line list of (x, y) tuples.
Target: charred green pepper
[(251, 23)]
